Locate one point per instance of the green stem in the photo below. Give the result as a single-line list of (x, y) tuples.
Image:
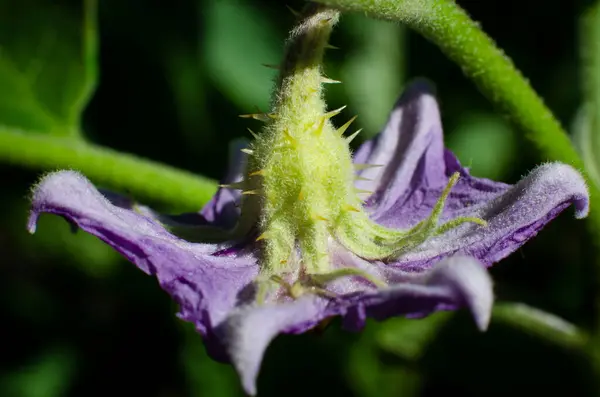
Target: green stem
[(589, 134), (448, 26), (178, 190), (540, 324)]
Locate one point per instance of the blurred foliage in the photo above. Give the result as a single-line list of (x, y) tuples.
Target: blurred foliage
[(80, 321)]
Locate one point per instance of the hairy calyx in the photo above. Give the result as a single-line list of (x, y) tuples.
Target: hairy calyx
[(299, 183)]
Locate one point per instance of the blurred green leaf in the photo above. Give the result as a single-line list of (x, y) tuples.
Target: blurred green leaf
[(49, 376), (586, 126), (585, 142), (371, 377), (408, 338), (374, 72), (48, 66), (486, 144), (239, 39), (55, 237), (205, 376)]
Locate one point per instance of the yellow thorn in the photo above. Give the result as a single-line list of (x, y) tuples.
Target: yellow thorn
[(320, 218), (319, 128), (247, 192), (296, 13), (236, 185), (351, 208), (256, 116), (351, 137), (253, 133), (301, 195), (259, 172), (360, 167), (327, 80), (360, 178), (272, 116), (343, 128), (325, 21), (331, 47), (270, 66), (312, 90), (359, 191), (247, 151), (335, 112), (292, 140), (262, 236)]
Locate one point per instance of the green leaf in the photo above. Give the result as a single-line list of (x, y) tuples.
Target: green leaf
[(48, 67), (486, 144), (373, 74), (49, 376), (239, 40), (370, 376), (409, 338)]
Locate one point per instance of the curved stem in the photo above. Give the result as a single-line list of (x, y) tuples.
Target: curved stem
[(144, 179), (541, 324)]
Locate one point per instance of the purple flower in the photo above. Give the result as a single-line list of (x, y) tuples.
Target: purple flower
[(437, 264)]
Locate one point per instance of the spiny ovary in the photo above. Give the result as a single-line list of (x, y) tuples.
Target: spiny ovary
[(303, 169)]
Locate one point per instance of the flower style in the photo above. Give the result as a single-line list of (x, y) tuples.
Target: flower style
[(303, 232)]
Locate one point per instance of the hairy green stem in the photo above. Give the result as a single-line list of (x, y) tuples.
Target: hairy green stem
[(144, 179)]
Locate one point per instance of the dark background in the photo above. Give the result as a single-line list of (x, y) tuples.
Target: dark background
[(77, 320)]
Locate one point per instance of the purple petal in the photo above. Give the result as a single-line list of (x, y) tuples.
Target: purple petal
[(458, 281), (410, 150), (221, 210), (207, 287), (249, 330), (513, 217)]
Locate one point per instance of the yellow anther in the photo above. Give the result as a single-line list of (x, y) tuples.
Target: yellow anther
[(343, 128)]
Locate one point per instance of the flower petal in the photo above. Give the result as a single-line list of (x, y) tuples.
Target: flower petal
[(206, 285), (458, 281), (410, 149), (416, 167), (221, 210), (249, 330), (513, 217)]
